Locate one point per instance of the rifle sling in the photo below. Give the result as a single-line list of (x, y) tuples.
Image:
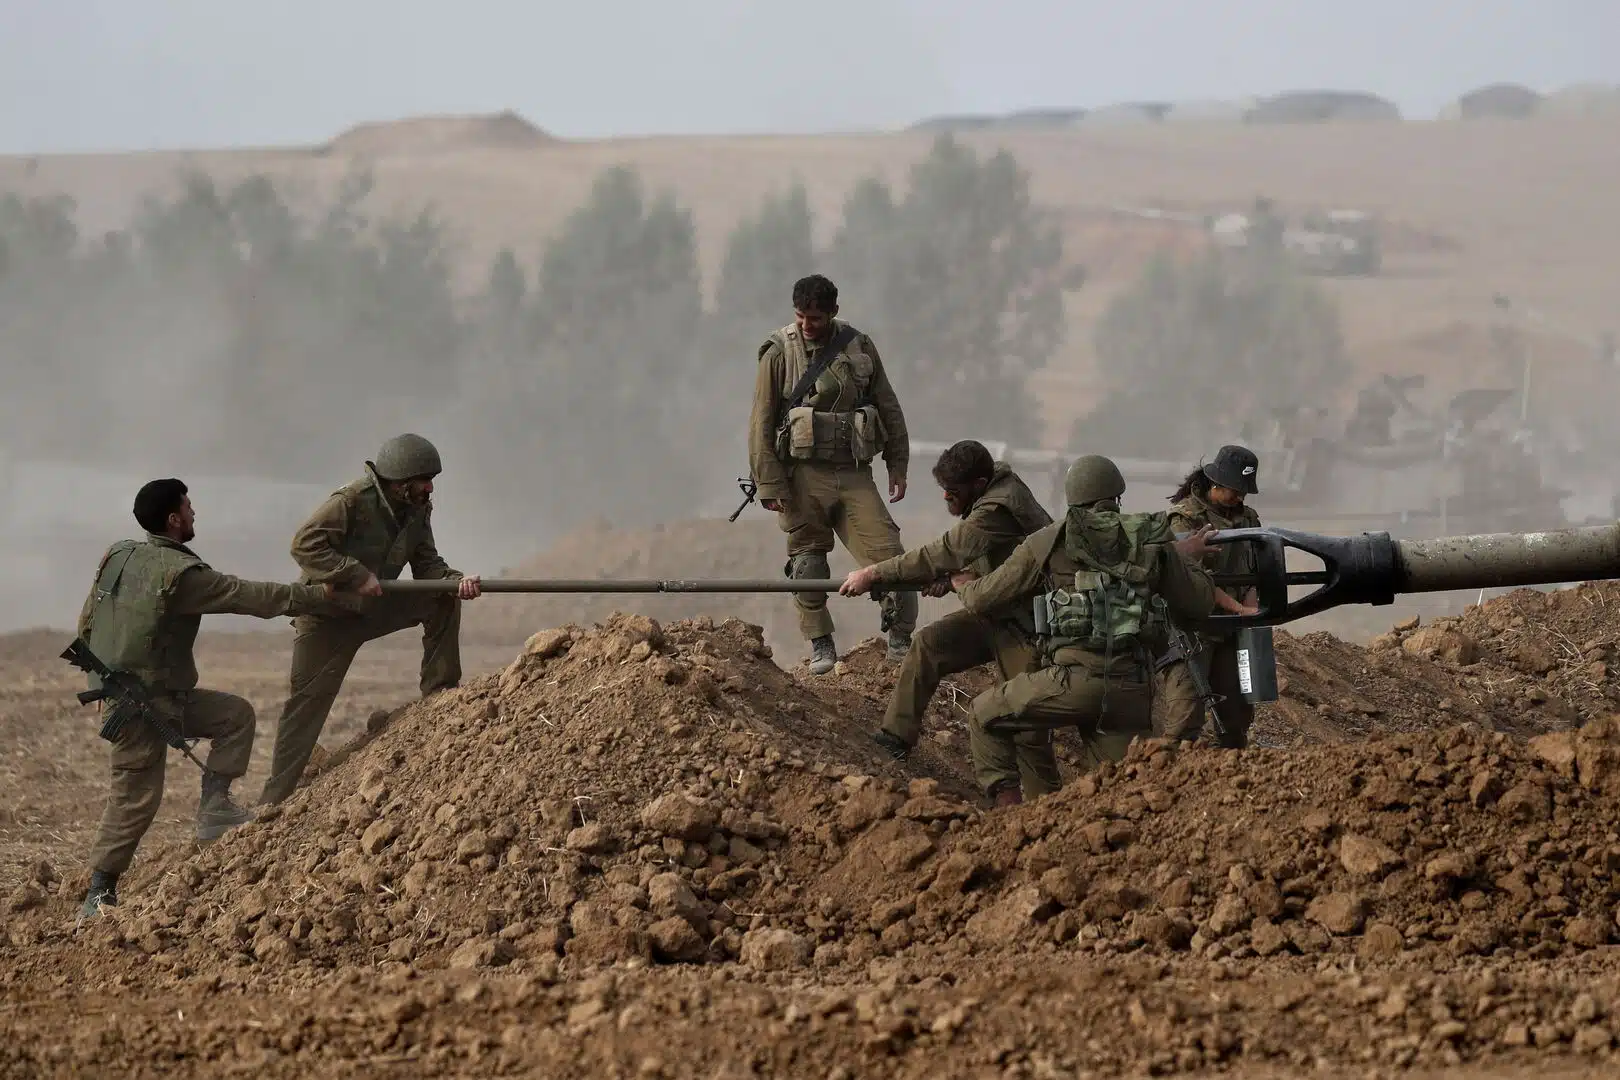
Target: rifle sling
[(812, 371)]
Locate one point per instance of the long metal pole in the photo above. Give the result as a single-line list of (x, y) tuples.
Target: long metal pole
[(593, 585)]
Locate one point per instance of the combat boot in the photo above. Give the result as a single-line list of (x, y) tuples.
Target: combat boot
[(823, 655), (891, 743), (1008, 795), (103, 893), (899, 645), (218, 813)]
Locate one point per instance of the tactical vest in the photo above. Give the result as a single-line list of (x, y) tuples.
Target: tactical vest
[(1106, 608), (1193, 513), (130, 625), (1008, 493), (381, 537), (836, 423)]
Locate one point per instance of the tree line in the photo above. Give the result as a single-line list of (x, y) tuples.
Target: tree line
[(592, 375)]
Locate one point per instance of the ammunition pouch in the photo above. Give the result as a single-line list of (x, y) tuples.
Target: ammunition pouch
[(836, 437), (867, 436)]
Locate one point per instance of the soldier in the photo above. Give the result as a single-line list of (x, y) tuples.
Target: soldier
[(1104, 580), (142, 616), (810, 448), (364, 534), (1212, 496), (997, 511)]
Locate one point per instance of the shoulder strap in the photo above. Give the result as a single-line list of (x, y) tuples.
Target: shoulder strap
[(122, 552), (835, 345)]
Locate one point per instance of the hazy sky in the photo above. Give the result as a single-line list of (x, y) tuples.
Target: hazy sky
[(121, 74)]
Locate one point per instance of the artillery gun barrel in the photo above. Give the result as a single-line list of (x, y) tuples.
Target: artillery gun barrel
[(1506, 560), (631, 585), (1373, 568)]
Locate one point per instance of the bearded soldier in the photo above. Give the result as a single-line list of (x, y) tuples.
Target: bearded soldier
[(997, 511), (1212, 496), (141, 617), (1103, 583), (823, 409), (362, 535)]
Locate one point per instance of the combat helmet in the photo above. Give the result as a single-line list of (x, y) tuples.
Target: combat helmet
[(1091, 479), (405, 457)]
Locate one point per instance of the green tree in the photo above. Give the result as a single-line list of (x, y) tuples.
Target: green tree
[(1195, 348), (765, 254), (961, 282)]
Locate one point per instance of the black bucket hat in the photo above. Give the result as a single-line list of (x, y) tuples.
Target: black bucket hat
[(1235, 467)]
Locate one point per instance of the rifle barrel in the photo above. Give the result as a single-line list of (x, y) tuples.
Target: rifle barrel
[(634, 585)]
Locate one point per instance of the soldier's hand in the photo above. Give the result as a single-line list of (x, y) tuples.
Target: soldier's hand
[(938, 588), (371, 586), (858, 582), (1195, 545), (961, 578), (469, 588), (775, 506), (897, 490)]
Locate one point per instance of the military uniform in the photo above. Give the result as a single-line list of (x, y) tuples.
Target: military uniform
[(820, 467), (356, 531), (1104, 693), (995, 524), (1181, 711), (142, 616)]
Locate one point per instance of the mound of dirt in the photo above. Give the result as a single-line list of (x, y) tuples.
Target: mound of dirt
[(635, 792), (439, 134)]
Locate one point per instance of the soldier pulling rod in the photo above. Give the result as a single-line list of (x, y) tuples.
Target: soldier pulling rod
[(1371, 568)]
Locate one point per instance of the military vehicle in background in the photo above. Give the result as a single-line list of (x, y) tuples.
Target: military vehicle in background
[(1328, 243), (1390, 466)]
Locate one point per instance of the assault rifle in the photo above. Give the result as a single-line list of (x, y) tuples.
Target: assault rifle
[(1186, 647), (125, 697), (749, 489)]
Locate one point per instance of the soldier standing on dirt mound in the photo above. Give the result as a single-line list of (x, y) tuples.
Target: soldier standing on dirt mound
[(1212, 495), (823, 409), (366, 533), (1103, 582), (142, 616), (997, 511)]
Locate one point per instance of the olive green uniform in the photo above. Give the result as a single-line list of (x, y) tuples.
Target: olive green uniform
[(821, 467), (995, 524), (1109, 699), (359, 530), (1181, 712), (142, 616)]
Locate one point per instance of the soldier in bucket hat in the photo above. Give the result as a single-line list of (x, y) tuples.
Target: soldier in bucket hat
[(1212, 494)]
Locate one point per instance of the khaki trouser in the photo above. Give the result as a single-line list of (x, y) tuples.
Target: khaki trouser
[(323, 649), (1181, 711), (1055, 697), (139, 756), (842, 501), (955, 643)]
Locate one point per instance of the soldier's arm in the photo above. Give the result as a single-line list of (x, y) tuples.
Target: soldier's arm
[(1019, 578), (897, 444), (317, 546), (960, 545), (768, 472), (426, 562), (1187, 589), (83, 626), (202, 590)]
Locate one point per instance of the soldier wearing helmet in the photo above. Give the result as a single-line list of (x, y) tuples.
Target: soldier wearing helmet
[(362, 535), (1101, 584), (1212, 496)]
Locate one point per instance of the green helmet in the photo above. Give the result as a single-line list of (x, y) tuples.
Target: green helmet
[(1092, 479), (405, 457)]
